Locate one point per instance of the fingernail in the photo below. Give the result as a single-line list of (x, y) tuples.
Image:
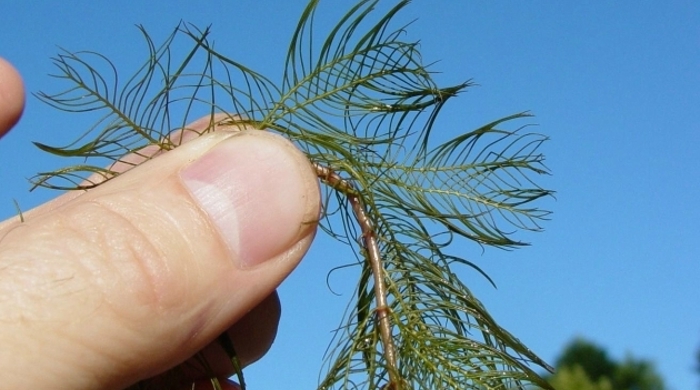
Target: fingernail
[(253, 191)]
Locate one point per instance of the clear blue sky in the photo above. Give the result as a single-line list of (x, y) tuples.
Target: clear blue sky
[(616, 85)]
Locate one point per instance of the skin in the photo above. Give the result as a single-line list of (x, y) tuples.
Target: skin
[(127, 281), (11, 96)]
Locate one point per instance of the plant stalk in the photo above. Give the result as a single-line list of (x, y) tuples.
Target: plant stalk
[(369, 238)]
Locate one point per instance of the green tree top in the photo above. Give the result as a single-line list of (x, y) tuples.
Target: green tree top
[(593, 359), (584, 365)]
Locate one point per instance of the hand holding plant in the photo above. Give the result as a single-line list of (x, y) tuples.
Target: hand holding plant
[(112, 286), (362, 108)]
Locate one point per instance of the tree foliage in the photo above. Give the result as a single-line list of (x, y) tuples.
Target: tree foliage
[(584, 365), (575, 378), (359, 102), (593, 359)]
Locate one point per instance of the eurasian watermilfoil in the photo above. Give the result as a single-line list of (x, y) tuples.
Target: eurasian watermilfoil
[(362, 106)]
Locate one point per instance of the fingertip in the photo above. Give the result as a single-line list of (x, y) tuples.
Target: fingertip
[(254, 334), (11, 96), (251, 337)]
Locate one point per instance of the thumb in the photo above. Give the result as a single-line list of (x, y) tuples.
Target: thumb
[(135, 276)]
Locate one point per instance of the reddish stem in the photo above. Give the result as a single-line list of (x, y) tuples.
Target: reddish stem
[(369, 238)]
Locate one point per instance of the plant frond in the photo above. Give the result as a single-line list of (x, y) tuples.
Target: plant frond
[(163, 95), (360, 103), (473, 184)]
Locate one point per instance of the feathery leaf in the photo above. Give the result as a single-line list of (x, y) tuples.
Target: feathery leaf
[(362, 106)]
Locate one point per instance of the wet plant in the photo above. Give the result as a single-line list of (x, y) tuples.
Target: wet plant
[(361, 104)]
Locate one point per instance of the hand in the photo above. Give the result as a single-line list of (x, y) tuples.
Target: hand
[(101, 289)]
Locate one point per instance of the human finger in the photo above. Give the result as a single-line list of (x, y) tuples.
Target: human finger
[(138, 274)]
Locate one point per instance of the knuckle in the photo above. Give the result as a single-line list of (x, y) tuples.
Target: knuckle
[(122, 262)]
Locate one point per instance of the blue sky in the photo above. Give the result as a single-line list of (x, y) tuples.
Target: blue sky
[(616, 85)]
